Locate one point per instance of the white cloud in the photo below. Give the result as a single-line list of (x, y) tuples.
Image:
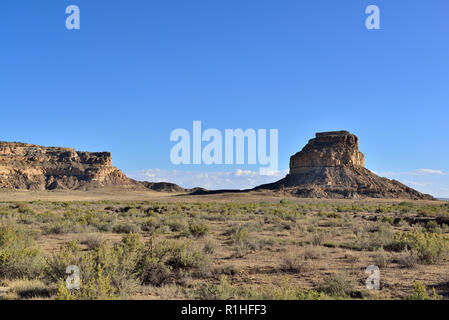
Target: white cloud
[(430, 181), (417, 172), (238, 179), (427, 171), (388, 174), (416, 183)]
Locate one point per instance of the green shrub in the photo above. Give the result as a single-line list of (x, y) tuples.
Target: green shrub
[(154, 271), (210, 247), (285, 201), (294, 263), (238, 234), (285, 292), (61, 227), (338, 286), (5, 213), (381, 259), (243, 242), (198, 229), (24, 208), (108, 271), (19, 256), (151, 224), (420, 292), (119, 263), (177, 224), (381, 209), (182, 255), (317, 239), (162, 262), (223, 291), (95, 288), (388, 219), (125, 228), (429, 247), (313, 252), (69, 254), (93, 240), (433, 227), (408, 259)]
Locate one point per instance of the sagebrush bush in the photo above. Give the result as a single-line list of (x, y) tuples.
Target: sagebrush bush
[(162, 262), (154, 272), (313, 252), (294, 263), (69, 254), (111, 265), (429, 247), (222, 291), (339, 285), (96, 288), (198, 229), (242, 241), (93, 240), (24, 208), (317, 239), (408, 259), (420, 292), (285, 291), (119, 263), (19, 256), (210, 247), (151, 224), (381, 259), (58, 228), (125, 228), (433, 227), (176, 224)]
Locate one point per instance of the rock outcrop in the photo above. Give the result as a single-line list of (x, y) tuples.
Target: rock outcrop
[(331, 166), (32, 167), (328, 149)]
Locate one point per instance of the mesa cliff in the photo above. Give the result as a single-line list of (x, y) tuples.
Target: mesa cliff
[(32, 167), (331, 166)]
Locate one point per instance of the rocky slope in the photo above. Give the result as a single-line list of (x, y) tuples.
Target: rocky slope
[(331, 166), (31, 167)]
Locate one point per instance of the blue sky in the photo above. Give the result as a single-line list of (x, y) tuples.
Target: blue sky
[(136, 70)]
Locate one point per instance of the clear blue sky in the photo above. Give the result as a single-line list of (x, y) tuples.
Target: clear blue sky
[(136, 70)]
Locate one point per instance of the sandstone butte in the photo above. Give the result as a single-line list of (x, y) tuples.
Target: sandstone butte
[(329, 166)]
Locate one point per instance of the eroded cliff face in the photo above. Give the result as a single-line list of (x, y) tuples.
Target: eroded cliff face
[(328, 149), (331, 166), (32, 167)]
